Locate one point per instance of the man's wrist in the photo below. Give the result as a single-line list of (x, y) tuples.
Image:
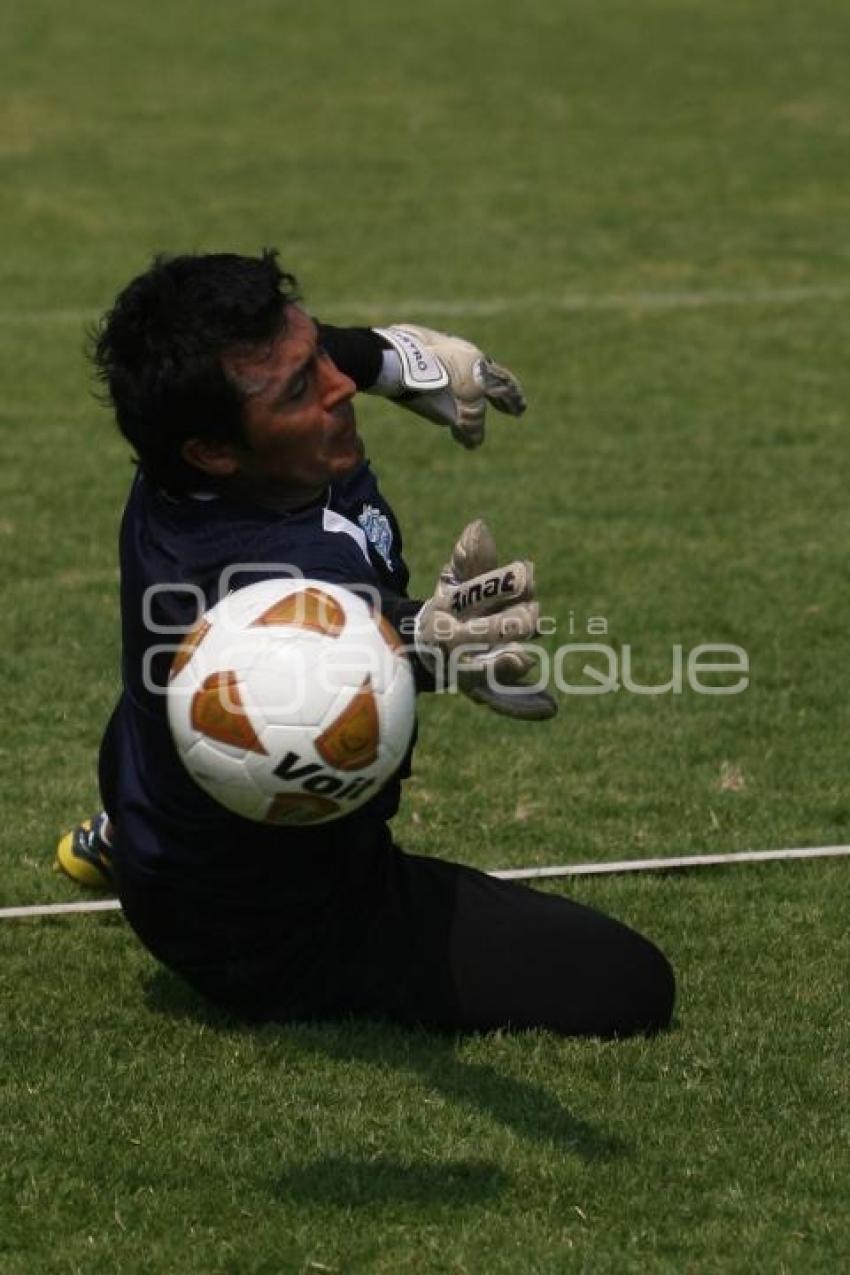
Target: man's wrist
[(408, 366), (357, 352), (390, 377)]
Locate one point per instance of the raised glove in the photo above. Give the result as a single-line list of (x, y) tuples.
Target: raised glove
[(476, 621), (447, 380)]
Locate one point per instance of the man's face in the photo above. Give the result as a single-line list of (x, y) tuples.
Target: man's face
[(298, 418)]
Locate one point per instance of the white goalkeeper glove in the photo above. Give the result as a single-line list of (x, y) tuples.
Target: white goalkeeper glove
[(477, 620), (446, 379)]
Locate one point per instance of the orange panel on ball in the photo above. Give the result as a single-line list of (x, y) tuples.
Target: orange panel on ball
[(351, 742), (307, 609), (188, 647), (389, 634), (218, 712), (300, 807)]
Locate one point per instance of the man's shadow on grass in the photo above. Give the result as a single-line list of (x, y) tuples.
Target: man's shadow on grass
[(520, 1105)]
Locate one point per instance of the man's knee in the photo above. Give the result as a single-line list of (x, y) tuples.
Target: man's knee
[(651, 990)]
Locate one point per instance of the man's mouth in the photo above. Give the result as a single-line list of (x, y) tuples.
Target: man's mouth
[(345, 427)]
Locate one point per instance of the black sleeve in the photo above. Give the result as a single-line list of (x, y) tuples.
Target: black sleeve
[(356, 351), (401, 613)]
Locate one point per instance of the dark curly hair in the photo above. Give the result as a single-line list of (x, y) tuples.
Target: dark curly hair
[(159, 352)]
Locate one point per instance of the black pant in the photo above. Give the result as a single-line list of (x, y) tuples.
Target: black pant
[(455, 949), (342, 921), (413, 939)]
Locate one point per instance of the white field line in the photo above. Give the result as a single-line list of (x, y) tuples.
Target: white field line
[(13, 317), (671, 863), (62, 909), (579, 302), (547, 303), (668, 864)]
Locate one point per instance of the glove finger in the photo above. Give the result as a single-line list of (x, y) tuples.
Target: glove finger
[(475, 551), (468, 429), (511, 624), (469, 436), (502, 389), (529, 706), (493, 641), (489, 591), (503, 665)]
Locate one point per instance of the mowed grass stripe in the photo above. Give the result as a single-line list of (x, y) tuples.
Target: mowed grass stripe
[(568, 303)]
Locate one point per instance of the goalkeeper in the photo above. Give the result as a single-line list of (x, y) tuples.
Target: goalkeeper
[(238, 407)]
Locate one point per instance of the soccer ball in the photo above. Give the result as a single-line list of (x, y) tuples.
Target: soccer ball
[(291, 701)]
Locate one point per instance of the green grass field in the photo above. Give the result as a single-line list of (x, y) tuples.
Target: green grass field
[(642, 206)]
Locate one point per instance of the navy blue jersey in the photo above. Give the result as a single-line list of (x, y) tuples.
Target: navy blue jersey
[(178, 557)]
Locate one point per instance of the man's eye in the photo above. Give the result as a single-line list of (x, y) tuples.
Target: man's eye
[(299, 385)]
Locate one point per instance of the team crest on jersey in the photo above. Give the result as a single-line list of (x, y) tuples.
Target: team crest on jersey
[(378, 531)]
